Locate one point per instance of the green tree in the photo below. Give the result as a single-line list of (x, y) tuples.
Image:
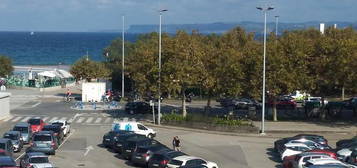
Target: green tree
[(5, 66), (88, 69)]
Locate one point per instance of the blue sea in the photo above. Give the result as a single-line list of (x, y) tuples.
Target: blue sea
[(54, 48)]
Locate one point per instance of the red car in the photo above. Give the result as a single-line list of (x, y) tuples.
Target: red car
[(284, 102), (288, 161), (37, 124)]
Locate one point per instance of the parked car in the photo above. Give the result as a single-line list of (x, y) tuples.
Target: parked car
[(6, 145), (301, 159), (138, 108), (57, 131), (279, 144), (353, 157), (323, 161), (7, 162), (284, 102), (36, 124), (16, 140), (294, 150), (65, 125), (4, 153), (345, 153), (160, 159), (132, 143), (142, 154), (344, 142), (25, 130), (121, 139), (311, 144), (288, 161), (109, 137), (44, 141), (332, 165), (179, 161), (136, 127), (35, 159)]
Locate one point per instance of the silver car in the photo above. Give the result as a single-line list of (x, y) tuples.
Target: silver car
[(25, 130), (35, 159), (16, 140)]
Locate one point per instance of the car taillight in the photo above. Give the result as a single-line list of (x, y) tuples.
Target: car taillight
[(28, 165), (164, 162), (145, 155), (31, 144), (52, 144)]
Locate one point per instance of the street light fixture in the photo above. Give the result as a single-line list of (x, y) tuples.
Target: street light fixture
[(265, 10), (159, 108)]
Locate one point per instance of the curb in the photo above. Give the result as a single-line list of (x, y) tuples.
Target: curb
[(269, 134)]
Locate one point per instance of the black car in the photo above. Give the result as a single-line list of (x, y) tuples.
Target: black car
[(132, 143), (16, 140), (6, 145), (138, 108), (8, 162), (121, 139), (160, 159), (109, 137), (342, 143), (142, 154), (279, 144), (57, 130)]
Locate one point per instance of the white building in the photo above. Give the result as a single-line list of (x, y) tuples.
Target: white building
[(4, 104)]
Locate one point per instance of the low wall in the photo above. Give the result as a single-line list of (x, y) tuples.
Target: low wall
[(4, 104)]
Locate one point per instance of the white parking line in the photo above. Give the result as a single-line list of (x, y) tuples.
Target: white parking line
[(63, 118), (25, 119), (107, 120), (16, 119), (98, 120), (53, 119), (45, 118), (89, 120), (80, 120), (38, 103), (8, 119)]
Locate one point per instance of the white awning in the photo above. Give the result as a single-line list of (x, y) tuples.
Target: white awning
[(50, 74), (64, 74)]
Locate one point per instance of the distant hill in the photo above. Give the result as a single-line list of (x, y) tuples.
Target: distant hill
[(219, 28)]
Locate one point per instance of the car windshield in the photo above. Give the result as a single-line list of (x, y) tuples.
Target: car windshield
[(58, 123), (131, 144), (141, 150), (21, 129), (42, 138), (34, 121), (11, 136), (175, 162), (2, 145), (175, 154), (39, 160)]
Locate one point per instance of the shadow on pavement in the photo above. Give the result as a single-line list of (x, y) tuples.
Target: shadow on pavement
[(274, 156)]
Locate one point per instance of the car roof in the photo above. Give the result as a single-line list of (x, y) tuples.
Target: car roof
[(51, 126), (138, 139), (58, 121), (36, 154), (44, 132), (6, 159), (21, 124), (4, 140), (323, 161), (312, 153), (34, 119), (13, 132), (186, 158)]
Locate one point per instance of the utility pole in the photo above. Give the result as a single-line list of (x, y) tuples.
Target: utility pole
[(123, 54)]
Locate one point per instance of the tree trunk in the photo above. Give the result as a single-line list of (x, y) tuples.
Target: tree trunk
[(184, 112), (275, 114), (343, 93), (208, 107)]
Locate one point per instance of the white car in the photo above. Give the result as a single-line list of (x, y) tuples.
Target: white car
[(323, 161), (301, 159), (190, 161), (344, 154), (134, 126), (294, 149), (66, 127), (309, 143)]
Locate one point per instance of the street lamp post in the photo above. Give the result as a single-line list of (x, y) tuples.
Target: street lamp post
[(265, 10), (123, 53), (276, 25), (159, 100)]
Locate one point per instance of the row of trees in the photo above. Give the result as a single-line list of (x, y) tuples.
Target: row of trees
[(231, 64)]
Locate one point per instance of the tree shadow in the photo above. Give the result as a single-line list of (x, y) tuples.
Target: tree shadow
[(274, 156)]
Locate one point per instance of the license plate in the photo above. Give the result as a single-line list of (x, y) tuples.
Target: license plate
[(128, 150), (156, 165), (138, 157), (107, 139)]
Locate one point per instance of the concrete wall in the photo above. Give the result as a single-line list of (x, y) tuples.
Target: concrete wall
[(4, 104)]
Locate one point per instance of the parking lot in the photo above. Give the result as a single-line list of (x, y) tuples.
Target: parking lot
[(82, 148)]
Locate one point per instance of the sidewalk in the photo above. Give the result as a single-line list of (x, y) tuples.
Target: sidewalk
[(307, 127)]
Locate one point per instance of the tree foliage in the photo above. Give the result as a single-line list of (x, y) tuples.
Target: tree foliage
[(231, 64), (5, 66), (85, 69)]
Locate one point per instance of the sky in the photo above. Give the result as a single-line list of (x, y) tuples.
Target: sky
[(96, 15)]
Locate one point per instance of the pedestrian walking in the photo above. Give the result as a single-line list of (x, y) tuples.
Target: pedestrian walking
[(176, 143)]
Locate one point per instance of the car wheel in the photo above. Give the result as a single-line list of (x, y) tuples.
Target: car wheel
[(150, 136)]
